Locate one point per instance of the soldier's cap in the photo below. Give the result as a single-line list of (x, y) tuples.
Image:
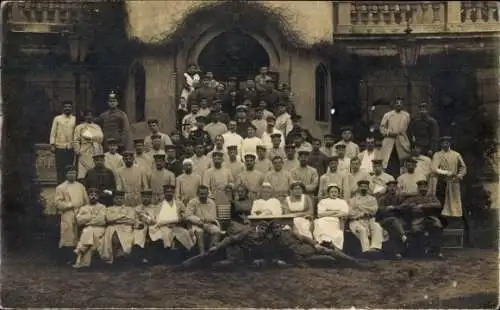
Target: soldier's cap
[(267, 184), (340, 146), (250, 155), (411, 160), (232, 147), (233, 122), (297, 182), (289, 146), (119, 193), (346, 128), (445, 138), (391, 182), (147, 192), (261, 147), (153, 121), (363, 182), (217, 101), (92, 190), (333, 158), (217, 154), (275, 135), (241, 107), (377, 161), (98, 155), (111, 141), (69, 168), (332, 185), (138, 141), (270, 118), (158, 156), (303, 152), (112, 95), (168, 186), (155, 136), (296, 117), (187, 161), (277, 157), (422, 182), (128, 153)]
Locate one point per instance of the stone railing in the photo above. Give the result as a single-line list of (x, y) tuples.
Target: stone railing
[(48, 16), (377, 17)]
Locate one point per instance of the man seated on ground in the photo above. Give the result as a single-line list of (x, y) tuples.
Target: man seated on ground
[(119, 235), (201, 212), (362, 219), (267, 205), (92, 217), (392, 217), (332, 213), (169, 226), (426, 226)]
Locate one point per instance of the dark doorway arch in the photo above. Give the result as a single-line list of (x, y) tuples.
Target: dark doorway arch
[(233, 53)]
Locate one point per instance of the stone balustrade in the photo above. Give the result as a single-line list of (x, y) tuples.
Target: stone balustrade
[(425, 17)]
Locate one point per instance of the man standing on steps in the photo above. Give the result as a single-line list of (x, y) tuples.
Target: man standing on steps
[(61, 140), (115, 124)]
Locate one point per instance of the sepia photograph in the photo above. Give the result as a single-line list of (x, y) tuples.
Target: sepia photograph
[(249, 154)]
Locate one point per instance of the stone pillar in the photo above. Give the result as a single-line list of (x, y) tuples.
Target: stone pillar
[(453, 14), (160, 90)]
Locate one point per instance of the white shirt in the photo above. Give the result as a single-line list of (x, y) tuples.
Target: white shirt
[(61, 133), (366, 161), (249, 145), (270, 207), (168, 213), (284, 123), (266, 139), (232, 138)]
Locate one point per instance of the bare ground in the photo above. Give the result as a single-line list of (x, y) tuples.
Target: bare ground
[(468, 278)]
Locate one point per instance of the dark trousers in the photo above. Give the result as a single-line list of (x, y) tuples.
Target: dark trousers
[(64, 157), (395, 229)]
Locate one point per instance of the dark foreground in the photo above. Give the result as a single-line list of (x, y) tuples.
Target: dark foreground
[(467, 279)]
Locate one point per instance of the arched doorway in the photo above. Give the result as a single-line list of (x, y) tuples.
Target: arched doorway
[(233, 53)]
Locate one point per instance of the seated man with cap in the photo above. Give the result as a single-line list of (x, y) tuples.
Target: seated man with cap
[(328, 147), (333, 175), (201, 162), (201, 213), (317, 159), (200, 134), (141, 158), (156, 149), (112, 160), (259, 122), (290, 161), (279, 179), (204, 107), (92, 217), (295, 130), (231, 137), (392, 216), (357, 174), (351, 148), (154, 128), (369, 153), (332, 213), (131, 179), (407, 182), (250, 177), (283, 120), (159, 177), (276, 147), (118, 238), (300, 141), (362, 222), (217, 178), (172, 162), (186, 184), (218, 147), (189, 120), (233, 162), (242, 121), (306, 174), (146, 216), (426, 226), (216, 127), (271, 130), (266, 204), (379, 179), (262, 163), (101, 178), (169, 226), (70, 196)]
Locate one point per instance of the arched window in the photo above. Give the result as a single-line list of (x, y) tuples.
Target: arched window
[(321, 80), (140, 93)]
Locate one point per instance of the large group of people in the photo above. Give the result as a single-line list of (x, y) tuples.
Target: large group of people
[(241, 154)]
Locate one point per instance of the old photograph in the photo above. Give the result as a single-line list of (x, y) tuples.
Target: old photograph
[(249, 154)]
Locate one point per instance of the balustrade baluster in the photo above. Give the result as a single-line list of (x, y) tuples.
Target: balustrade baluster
[(392, 15), (490, 12), (57, 13), (32, 12)]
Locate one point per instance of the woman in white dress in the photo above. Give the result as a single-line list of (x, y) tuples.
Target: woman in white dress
[(332, 211), (267, 205), (301, 206), (87, 142)]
